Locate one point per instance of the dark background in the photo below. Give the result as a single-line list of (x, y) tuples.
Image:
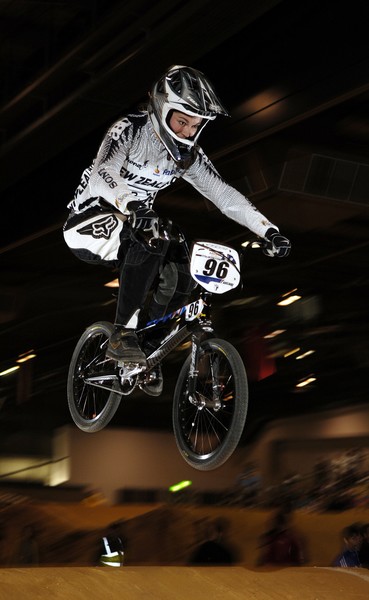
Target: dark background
[(295, 78)]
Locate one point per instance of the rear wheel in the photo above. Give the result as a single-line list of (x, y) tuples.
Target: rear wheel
[(92, 380), (208, 426)]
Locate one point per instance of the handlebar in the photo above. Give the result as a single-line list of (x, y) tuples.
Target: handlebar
[(169, 232)]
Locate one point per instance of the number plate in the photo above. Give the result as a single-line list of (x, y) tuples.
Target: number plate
[(215, 267), (194, 310)]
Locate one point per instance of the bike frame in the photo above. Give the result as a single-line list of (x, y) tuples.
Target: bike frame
[(193, 319), (210, 266), (210, 398)]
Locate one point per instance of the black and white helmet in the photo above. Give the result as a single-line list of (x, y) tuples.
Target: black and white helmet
[(188, 91)]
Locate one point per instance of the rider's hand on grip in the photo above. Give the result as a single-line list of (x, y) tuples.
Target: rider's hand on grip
[(145, 223), (275, 244)]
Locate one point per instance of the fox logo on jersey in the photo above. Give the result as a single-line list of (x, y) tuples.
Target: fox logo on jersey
[(102, 228)]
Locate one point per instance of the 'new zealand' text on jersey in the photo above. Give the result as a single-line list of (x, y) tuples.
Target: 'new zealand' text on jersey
[(133, 164)]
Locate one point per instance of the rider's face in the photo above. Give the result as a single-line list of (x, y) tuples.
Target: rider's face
[(183, 125)]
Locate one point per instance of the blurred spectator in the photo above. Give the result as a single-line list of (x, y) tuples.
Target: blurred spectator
[(364, 548), (112, 550), (338, 498), (4, 555), (214, 550), (322, 473), (290, 489), (28, 550), (281, 545), (247, 487), (338, 466), (352, 539), (354, 465)]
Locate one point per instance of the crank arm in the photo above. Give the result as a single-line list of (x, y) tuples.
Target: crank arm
[(127, 371)]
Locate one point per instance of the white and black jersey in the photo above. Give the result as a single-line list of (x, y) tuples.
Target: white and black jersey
[(133, 164)]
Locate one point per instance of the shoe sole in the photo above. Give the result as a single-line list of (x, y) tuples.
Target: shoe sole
[(127, 359)]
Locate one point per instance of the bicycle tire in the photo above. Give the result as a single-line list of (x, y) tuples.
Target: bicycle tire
[(206, 437), (91, 408)]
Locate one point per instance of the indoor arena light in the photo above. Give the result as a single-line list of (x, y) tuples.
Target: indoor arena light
[(305, 354), (10, 370), (273, 334), (306, 382), (22, 358), (290, 352), (289, 300)]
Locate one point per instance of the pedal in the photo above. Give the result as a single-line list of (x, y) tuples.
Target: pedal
[(127, 370)]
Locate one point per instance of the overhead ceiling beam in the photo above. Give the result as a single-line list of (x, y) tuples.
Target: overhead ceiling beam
[(104, 93)]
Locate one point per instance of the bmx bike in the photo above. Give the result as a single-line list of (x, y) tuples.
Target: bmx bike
[(210, 399)]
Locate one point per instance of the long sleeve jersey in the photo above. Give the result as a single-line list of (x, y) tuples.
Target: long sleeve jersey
[(133, 164)]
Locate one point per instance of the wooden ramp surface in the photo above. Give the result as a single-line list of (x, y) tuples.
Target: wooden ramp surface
[(183, 583)]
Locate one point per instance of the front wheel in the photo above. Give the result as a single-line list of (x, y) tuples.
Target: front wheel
[(208, 425), (92, 380)]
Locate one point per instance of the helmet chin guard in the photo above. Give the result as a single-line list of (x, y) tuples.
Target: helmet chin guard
[(185, 90)]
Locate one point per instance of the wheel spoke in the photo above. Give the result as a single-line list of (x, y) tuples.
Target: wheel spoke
[(208, 423), (89, 402), (88, 399)]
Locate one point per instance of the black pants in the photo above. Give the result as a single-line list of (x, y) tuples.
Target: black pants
[(108, 241), (161, 270)]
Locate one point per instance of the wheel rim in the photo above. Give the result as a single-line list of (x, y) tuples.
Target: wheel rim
[(205, 421), (90, 401)]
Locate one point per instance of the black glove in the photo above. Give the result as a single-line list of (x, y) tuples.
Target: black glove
[(145, 223), (276, 244)]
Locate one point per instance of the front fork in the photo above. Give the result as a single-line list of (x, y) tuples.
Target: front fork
[(193, 371), (204, 328)]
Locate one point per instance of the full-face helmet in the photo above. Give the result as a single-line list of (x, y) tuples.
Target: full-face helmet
[(186, 90)]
